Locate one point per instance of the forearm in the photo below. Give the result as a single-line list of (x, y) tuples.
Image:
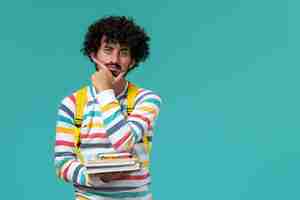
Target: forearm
[(117, 129), (122, 131)]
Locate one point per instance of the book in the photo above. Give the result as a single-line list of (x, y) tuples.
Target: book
[(109, 169), (113, 162), (114, 155)]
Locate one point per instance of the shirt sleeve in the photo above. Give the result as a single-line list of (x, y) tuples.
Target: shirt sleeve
[(68, 166), (123, 132)]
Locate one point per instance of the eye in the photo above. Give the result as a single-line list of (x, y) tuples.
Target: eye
[(107, 50), (125, 53)]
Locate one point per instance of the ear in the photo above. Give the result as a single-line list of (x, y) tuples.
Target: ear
[(132, 63)]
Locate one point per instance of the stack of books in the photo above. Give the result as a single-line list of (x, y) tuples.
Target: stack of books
[(113, 162)]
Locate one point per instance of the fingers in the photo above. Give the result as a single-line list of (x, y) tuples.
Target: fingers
[(96, 61), (106, 177), (99, 64), (101, 67), (120, 76)]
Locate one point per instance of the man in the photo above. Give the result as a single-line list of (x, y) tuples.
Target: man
[(116, 45)]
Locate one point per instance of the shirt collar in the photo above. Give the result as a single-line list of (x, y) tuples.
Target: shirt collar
[(92, 92)]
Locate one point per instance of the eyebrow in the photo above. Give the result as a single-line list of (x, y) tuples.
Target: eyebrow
[(108, 46), (111, 45), (124, 48)]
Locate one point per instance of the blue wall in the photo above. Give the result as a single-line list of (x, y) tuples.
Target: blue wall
[(227, 71)]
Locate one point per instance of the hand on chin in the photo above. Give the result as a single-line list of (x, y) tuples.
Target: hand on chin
[(118, 78)]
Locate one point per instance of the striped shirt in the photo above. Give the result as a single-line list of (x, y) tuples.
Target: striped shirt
[(105, 128)]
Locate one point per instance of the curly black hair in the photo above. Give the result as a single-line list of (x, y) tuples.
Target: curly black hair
[(120, 29)]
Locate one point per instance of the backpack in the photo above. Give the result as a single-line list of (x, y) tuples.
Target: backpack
[(81, 101)]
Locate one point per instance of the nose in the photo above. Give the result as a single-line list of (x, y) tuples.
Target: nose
[(115, 57)]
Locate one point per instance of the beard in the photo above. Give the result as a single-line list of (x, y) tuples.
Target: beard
[(115, 70)]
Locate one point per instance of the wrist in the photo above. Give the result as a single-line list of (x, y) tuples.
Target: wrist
[(105, 97), (103, 88)]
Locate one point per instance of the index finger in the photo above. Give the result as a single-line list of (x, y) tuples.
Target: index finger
[(99, 64)]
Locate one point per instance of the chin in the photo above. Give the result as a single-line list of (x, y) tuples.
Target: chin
[(115, 81)]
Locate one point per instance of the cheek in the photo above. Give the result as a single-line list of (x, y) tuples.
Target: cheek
[(102, 58), (125, 62)]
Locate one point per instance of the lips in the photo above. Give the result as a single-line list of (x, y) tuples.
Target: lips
[(115, 72), (114, 69)]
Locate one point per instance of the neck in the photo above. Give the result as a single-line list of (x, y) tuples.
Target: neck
[(119, 86)]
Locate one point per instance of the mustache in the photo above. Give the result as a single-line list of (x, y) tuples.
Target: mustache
[(113, 66)]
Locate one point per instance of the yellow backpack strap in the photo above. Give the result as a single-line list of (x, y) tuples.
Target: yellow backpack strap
[(81, 101), (132, 93)]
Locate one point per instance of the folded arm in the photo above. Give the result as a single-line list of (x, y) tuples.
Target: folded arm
[(122, 131)]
